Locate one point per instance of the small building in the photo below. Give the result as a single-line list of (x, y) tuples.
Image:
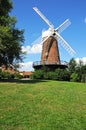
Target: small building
[(26, 74)]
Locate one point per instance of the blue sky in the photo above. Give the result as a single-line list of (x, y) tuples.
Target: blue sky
[(57, 11)]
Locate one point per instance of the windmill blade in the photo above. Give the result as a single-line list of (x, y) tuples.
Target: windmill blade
[(63, 26), (37, 41), (66, 45), (43, 17), (40, 40)]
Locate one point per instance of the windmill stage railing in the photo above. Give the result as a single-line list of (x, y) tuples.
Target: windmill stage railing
[(38, 63)]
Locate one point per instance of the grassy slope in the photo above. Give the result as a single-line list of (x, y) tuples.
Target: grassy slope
[(48, 105)]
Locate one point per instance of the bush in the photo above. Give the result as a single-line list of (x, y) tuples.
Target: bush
[(7, 75), (62, 74), (83, 78), (74, 77), (0, 74), (50, 75), (38, 74), (58, 74), (17, 76)]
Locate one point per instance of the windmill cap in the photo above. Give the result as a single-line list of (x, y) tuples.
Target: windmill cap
[(48, 32)]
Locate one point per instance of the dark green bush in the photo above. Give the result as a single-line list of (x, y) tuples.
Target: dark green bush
[(62, 74), (58, 74), (38, 74), (17, 75), (50, 75), (7, 75), (83, 78), (74, 77)]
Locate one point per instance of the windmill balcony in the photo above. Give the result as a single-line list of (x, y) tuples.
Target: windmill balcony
[(39, 64)]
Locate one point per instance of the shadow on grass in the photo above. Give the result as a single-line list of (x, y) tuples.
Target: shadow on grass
[(22, 80)]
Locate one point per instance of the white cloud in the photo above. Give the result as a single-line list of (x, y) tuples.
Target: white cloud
[(26, 66), (83, 59), (36, 48), (85, 19)]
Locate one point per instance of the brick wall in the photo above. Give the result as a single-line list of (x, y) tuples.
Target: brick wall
[(50, 51)]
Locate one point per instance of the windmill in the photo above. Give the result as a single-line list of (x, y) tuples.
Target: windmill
[(50, 51)]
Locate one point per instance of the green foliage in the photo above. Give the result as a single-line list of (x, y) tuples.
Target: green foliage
[(7, 75), (62, 74), (42, 105), (58, 74), (11, 38), (38, 74), (75, 72), (18, 76), (74, 77), (50, 75), (5, 7), (72, 65), (83, 78)]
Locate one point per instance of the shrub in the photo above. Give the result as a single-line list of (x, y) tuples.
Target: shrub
[(74, 77), (83, 78), (38, 74), (50, 75), (7, 75), (17, 76), (0, 74), (58, 74), (62, 74)]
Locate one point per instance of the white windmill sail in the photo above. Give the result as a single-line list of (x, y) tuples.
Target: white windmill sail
[(43, 17), (63, 26), (66, 45)]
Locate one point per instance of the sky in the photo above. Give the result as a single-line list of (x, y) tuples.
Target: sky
[(56, 11)]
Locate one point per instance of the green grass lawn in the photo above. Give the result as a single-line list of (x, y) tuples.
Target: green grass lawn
[(42, 105)]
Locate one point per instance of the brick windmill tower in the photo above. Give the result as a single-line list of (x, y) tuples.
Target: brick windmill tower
[(50, 52)]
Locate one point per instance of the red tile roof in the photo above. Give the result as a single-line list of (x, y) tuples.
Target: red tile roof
[(27, 73)]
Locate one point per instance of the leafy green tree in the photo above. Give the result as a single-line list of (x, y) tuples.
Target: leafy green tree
[(5, 7), (72, 66), (11, 38), (77, 71), (81, 71)]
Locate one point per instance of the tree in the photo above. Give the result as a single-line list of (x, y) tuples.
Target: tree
[(5, 7), (77, 71), (72, 66), (11, 38)]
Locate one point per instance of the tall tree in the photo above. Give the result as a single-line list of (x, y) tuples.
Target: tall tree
[(5, 7), (72, 65), (11, 38)]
